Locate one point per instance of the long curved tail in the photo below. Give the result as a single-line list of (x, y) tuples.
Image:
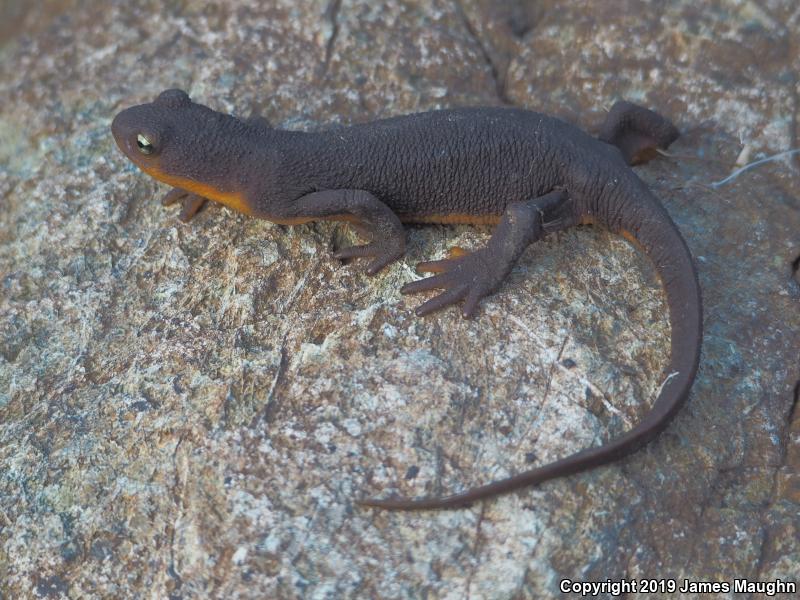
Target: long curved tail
[(661, 240)]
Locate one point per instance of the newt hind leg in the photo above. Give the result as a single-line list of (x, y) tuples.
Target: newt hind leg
[(637, 131), (472, 276)]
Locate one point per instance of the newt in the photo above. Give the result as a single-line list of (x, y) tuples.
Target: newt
[(527, 173)]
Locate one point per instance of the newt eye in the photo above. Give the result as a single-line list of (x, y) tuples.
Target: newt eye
[(145, 147)]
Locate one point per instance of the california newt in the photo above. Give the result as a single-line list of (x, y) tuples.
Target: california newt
[(528, 173)]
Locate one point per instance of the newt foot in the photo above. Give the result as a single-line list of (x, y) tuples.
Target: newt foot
[(190, 203), (467, 277), (383, 253)]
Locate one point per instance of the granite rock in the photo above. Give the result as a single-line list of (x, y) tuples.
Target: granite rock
[(190, 411)]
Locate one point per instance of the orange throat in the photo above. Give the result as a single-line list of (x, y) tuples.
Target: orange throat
[(234, 200)]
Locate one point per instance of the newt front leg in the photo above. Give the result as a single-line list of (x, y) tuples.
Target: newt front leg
[(190, 203), (366, 213)]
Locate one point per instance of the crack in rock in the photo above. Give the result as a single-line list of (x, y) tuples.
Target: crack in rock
[(332, 15), (499, 81), (765, 521)]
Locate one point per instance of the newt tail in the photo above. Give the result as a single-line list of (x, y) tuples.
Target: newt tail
[(674, 265)]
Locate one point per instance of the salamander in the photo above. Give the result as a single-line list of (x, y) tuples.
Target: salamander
[(524, 172)]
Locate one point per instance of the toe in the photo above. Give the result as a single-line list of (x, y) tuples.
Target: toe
[(382, 254), (424, 285), (471, 303), (173, 196), (434, 266), (444, 299), (191, 206), (379, 263), (456, 252), (354, 252)]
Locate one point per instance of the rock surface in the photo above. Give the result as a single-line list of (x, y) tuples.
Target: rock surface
[(189, 411)]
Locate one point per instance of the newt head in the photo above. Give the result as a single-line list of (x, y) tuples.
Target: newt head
[(149, 133), (185, 145)]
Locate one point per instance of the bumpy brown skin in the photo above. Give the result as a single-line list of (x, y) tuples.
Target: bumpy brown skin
[(528, 173)]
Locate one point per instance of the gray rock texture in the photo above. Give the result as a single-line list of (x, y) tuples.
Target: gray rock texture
[(189, 411)]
